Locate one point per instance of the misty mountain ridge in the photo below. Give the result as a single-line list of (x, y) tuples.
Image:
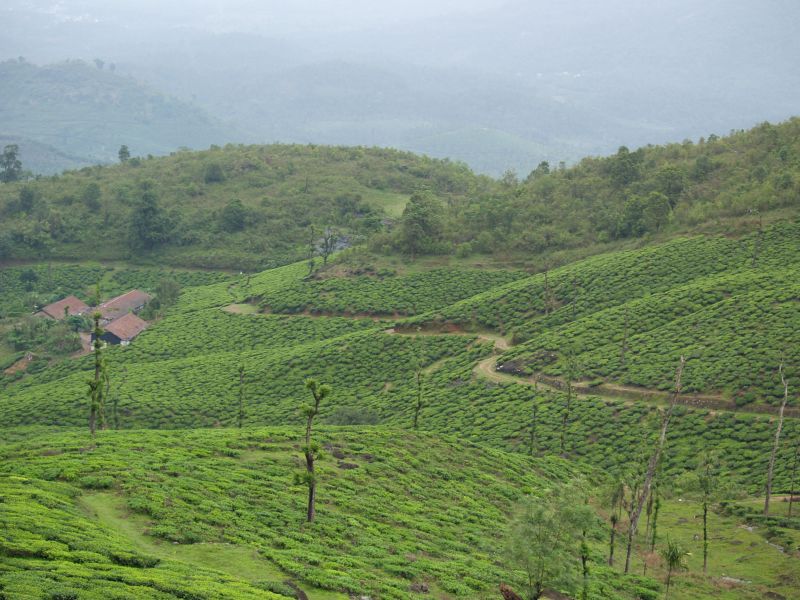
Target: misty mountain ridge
[(496, 86)]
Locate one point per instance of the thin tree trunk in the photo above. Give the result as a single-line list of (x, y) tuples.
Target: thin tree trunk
[(794, 474), (655, 522), (418, 407), (312, 488), (241, 396), (611, 544), (705, 535), (669, 577), (774, 453), (624, 348), (565, 419), (651, 467)]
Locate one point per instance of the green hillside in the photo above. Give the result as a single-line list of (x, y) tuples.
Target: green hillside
[(90, 111), (242, 207), (468, 385), (400, 509)]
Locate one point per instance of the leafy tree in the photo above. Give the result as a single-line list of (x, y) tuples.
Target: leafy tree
[(545, 541), (234, 216), (213, 173), (167, 291), (675, 558), (29, 278), (422, 225), (10, 165), (615, 495), (705, 483), (91, 196), (62, 339), (312, 450), (625, 167), (656, 211), (124, 154), (571, 374), (149, 225), (27, 199)]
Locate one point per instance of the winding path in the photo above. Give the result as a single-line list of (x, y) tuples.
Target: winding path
[(487, 369)]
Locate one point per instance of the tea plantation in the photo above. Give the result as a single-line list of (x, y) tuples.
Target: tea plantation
[(400, 512), (173, 500)]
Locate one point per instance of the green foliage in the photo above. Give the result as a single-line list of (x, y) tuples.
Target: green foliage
[(545, 541), (634, 193), (282, 189), (149, 225), (422, 225), (10, 165)]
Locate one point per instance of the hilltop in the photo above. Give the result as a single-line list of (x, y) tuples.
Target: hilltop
[(253, 207), (237, 207)]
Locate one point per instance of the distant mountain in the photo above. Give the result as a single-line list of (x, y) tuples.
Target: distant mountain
[(549, 81), (41, 158), (90, 111)]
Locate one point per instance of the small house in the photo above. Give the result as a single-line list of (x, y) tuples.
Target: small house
[(121, 331), (132, 301), (63, 308)]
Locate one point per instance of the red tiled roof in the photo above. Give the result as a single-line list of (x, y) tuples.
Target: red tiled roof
[(122, 304), (127, 327), (73, 304)]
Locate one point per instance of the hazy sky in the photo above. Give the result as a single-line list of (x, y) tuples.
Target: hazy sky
[(273, 17)]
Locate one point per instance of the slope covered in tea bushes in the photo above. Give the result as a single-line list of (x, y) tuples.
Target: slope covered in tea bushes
[(399, 512)]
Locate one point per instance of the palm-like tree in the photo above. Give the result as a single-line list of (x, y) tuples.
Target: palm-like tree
[(673, 555)]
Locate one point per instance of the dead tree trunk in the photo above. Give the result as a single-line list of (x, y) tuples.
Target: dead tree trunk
[(624, 348), (794, 476), (774, 453), (653, 464)]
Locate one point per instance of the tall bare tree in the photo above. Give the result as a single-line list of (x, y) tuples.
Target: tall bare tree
[(792, 491), (312, 450), (240, 419), (96, 392), (653, 463), (330, 237), (771, 468), (572, 368)]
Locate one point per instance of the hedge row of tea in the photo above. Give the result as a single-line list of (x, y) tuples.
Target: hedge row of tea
[(373, 374), (367, 369), (728, 304), (526, 306), (50, 548), (733, 329), (398, 513), (391, 295)]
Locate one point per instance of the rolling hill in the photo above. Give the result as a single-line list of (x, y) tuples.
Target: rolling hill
[(466, 382)]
